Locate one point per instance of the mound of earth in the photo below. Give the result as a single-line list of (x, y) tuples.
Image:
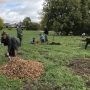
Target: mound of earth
[(54, 43), (81, 67), (19, 68)]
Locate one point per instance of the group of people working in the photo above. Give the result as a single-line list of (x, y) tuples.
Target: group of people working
[(13, 43), (42, 38)]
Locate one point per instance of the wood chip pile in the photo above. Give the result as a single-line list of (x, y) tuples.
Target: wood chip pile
[(19, 68)]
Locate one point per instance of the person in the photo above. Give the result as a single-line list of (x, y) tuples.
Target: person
[(46, 38), (46, 30), (19, 33), (87, 42), (42, 38), (46, 33), (12, 44), (33, 41), (83, 35)]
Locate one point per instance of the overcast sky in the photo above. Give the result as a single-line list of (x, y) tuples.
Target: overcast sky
[(13, 11)]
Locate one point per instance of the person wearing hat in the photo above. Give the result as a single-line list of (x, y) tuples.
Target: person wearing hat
[(11, 42)]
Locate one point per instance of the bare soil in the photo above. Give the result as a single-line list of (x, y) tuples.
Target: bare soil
[(81, 66)]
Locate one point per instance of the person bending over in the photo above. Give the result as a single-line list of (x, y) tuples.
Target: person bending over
[(11, 42)]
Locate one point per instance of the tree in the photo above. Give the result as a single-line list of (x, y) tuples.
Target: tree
[(27, 22), (85, 14), (1, 23), (71, 14), (84, 9), (56, 27), (61, 11)]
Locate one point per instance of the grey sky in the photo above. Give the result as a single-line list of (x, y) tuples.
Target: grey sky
[(13, 11)]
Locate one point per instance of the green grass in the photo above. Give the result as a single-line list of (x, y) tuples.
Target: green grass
[(54, 59)]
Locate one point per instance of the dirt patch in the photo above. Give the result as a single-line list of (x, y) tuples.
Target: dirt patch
[(19, 68), (54, 43), (81, 67)]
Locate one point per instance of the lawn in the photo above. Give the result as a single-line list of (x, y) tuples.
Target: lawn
[(55, 59)]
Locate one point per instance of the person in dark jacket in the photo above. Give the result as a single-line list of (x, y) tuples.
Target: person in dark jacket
[(46, 30), (46, 33), (11, 42), (33, 41), (19, 33), (87, 42)]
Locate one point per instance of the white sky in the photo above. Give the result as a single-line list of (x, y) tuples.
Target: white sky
[(14, 11)]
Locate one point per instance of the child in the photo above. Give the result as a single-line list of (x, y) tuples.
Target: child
[(33, 41), (42, 38)]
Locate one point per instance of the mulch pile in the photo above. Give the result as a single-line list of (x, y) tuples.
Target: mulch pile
[(81, 67), (19, 68)]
